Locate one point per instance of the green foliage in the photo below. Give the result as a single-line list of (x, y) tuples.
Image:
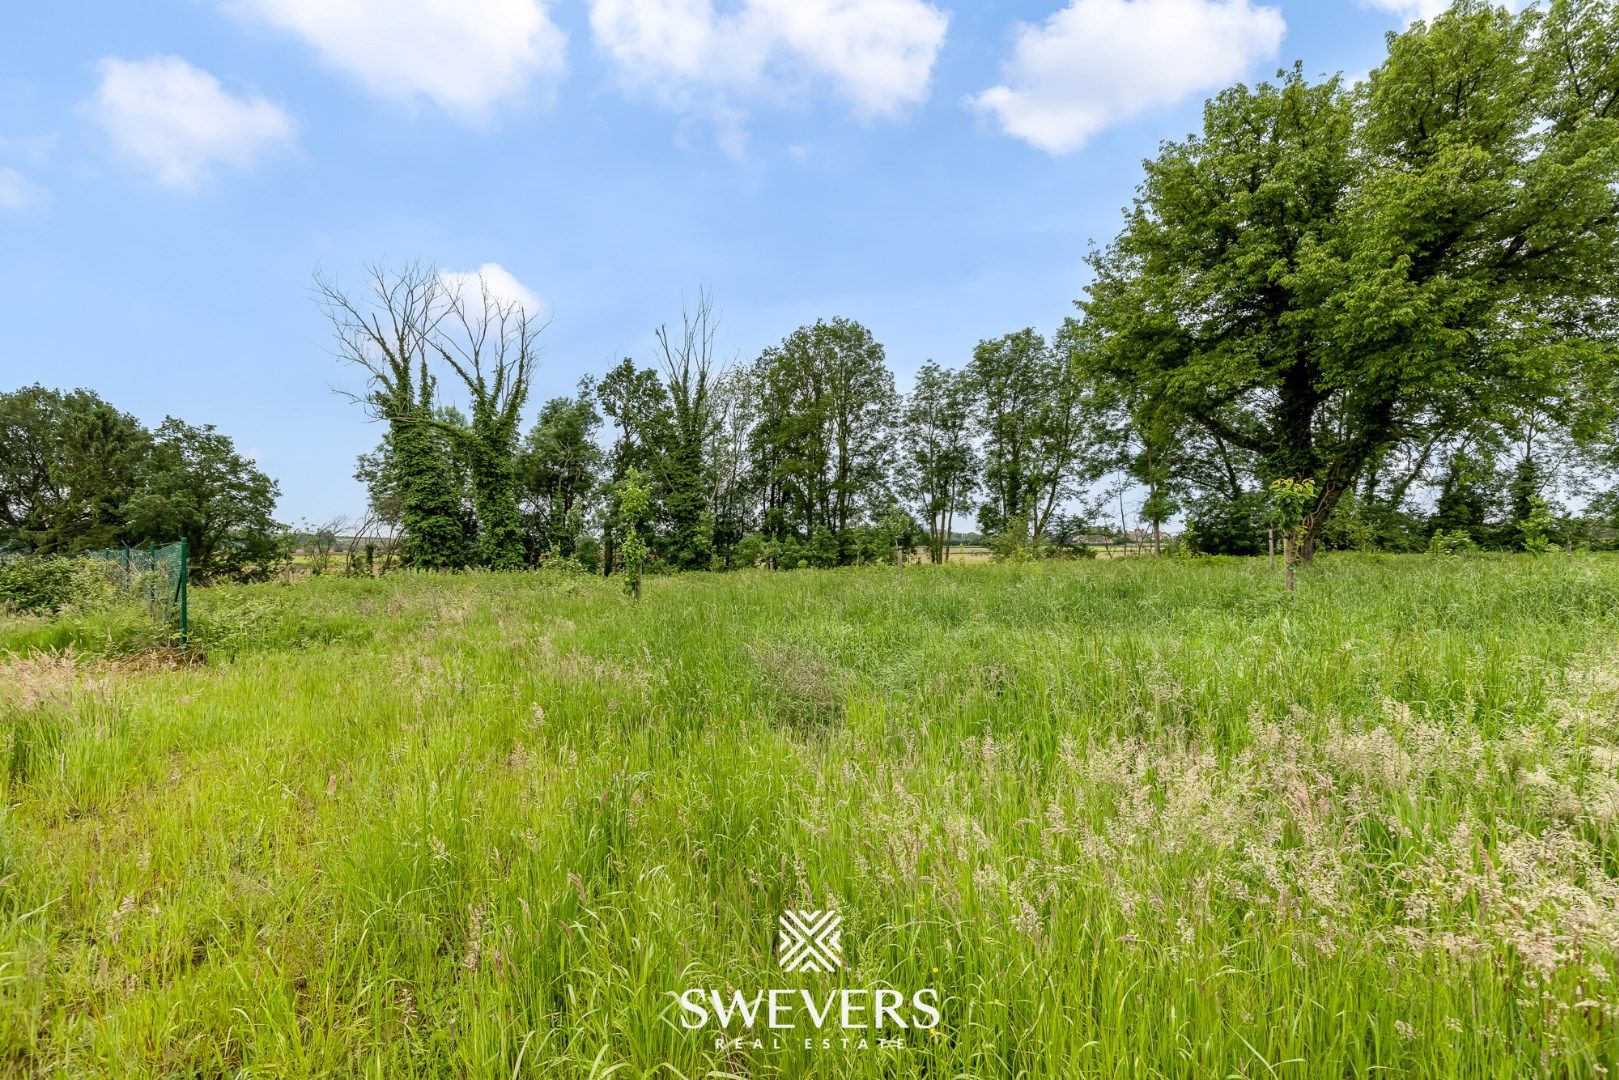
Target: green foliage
[(1536, 526), (1360, 524), (46, 584), (430, 508), (634, 504), (939, 465), (490, 345), (1451, 543), (1290, 502), (558, 470), (1039, 423), (1327, 273), (194, 485), (68, 464), (1217, 526), (77, 475), (822, 448)]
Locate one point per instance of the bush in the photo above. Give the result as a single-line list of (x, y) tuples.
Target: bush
[(1228, 526), (45, 585), (1451, 543)]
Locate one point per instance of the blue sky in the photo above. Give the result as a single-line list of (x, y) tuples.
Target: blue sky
[(172, 172)]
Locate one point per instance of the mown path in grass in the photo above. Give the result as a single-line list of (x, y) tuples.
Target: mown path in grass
[(1130, 818)]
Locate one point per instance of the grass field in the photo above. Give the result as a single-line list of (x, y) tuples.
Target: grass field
[(1131, 818)]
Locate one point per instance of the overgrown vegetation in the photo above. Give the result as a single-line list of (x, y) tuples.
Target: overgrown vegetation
[(1395, 290), (1135, 817), (77, 475)]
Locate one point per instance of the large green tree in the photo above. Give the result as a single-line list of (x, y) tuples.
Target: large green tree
[(196, 486), (683, 460), (939, 463), (558, 470), (823, 441), (1327, 272), (635, 401), (68, 464), (1040, 426)]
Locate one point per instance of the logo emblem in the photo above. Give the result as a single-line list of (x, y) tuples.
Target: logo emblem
[(811, 941)]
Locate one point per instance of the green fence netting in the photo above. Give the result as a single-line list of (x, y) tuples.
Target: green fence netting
[(155, 574)]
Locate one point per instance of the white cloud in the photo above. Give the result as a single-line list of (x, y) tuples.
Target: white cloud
[(1098, 62), (877, 55), (1411, 9), (17, 192), (502, 286), (178, 124), (466, 55)]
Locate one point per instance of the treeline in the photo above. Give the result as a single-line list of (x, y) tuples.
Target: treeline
[(77, 474), (1377, 314), (805, 456)]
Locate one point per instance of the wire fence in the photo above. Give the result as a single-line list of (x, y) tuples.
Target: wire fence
[(158, 575)]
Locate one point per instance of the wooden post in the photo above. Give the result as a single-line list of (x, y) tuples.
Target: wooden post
[(1273, 547)]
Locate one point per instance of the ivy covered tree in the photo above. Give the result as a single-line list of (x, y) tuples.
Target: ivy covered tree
[(692, 421), (389, 334), (491, 344), (634, 506)]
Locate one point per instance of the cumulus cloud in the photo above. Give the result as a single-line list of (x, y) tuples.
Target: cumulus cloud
[(502, 286), (465, 55), (17, 192), (1098, 62), (877, 55), (1411, 9), (178, 124)]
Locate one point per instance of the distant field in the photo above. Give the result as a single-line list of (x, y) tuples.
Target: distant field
[(1130, 818)]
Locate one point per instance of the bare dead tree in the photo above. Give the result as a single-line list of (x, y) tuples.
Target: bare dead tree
[(388, 331), (690, 379), (492, 345)]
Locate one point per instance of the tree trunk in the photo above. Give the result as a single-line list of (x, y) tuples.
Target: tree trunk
[(1314, 522)]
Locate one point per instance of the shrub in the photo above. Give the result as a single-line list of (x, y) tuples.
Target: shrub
[(1458, 542), (47, 584), (1228, 526)]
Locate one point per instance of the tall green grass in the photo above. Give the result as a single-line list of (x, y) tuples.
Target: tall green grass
[(1132, 818)]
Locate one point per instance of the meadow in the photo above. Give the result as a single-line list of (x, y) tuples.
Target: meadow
[(1130, 818)]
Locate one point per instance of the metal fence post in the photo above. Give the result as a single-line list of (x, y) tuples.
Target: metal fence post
[(185, 627)]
